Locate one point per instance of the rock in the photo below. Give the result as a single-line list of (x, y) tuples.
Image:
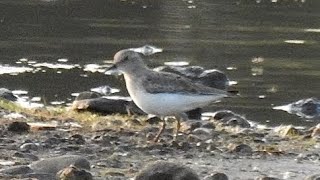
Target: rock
[(153, 120), (30, 156), (208, 125), (87, 95), (19, 127), (216, 176), (55, 164), (203, 131), (305, 108), (266, 178), (161, 170), (52, 141), (194, 114), (94, 102), (229, 118), (287, 131), (73, 173), (190, 125), (16, 170), (184, 146), (7, 94), (105, 90), (147, 50), (214, 78), (316, 132), (29, 147), (313, 177), (77, 139), (241, 149), (39, 176), (223, 114), (101, 105)]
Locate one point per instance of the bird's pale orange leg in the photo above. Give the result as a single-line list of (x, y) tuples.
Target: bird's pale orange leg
[(177, 128), (156, 139)]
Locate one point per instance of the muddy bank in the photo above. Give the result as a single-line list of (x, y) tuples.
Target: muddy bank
[(118, 147)]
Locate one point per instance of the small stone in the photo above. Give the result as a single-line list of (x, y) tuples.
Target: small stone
[(113, 173), (52, 141), (287, 131), (135, 122), (55, 164), (29, 147), (208, 125), (238, 121), (316, 132), (26, 156), (313, 177), (203, 131), (194, 114), (16, 170), (267, 178), (185, 146), (39, 176), (193, 138), (77, 139), (161, 170), (73, 173), (93, 102), (19, 127), (153, 120), (223, 114), (7, 94), (216, 176), (242, 149)]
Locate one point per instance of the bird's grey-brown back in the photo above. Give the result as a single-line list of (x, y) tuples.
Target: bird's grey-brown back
[(163, 82)]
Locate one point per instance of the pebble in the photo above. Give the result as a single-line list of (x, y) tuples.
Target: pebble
[(16, 170), (39, 176), (241, 149), (208, 125), (266, 178), (77, 139), (55, 164), (30, 156), (29, 147), (216, 176), (73, 173), (19, 127), (230, 118), (190, 125), (161, 170), (7, 94), (194, 114), (153, 120), (313, 177), (203, 131)]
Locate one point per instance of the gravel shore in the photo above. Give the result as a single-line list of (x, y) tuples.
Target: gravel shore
[(118, 147)]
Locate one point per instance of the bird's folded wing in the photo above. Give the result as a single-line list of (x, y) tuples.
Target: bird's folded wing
[(160, 82)]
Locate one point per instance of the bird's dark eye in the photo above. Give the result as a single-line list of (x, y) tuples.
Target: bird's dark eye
[(126, 58)]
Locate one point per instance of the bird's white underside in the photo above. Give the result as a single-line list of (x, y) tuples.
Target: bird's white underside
[(167, 104)]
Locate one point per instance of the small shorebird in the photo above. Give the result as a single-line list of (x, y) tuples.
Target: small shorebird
[(160, 93)]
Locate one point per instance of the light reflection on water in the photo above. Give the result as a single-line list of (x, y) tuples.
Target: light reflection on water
[(271, 50)]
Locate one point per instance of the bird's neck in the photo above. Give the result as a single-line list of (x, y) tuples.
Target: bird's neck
[(136, 71)]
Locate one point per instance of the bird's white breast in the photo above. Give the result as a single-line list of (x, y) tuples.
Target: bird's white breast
[(166, 104)]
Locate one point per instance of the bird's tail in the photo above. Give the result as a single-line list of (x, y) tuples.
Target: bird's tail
[(233, 93)]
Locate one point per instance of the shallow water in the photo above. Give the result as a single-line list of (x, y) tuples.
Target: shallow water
[(270, 49)]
